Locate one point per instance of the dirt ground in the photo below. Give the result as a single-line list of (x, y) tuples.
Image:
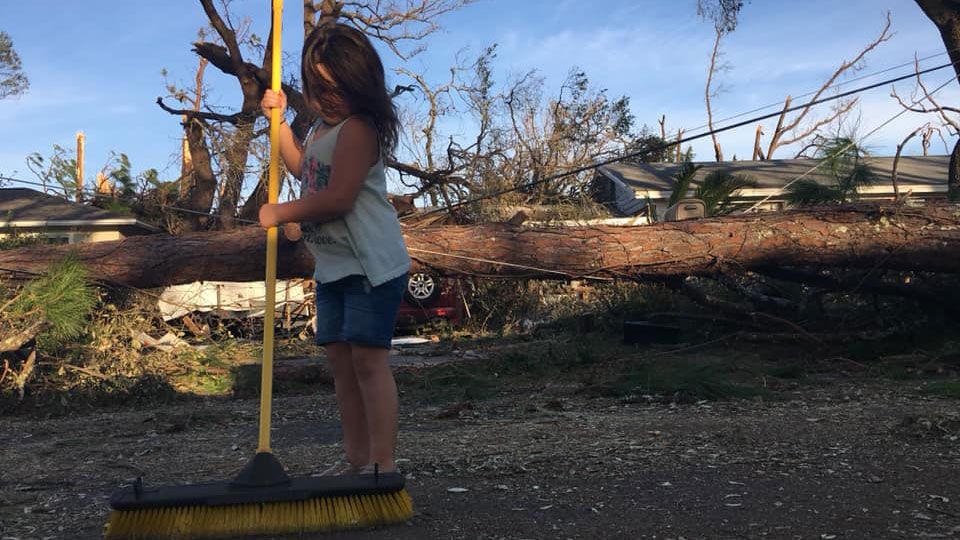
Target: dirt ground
[(838, 458)]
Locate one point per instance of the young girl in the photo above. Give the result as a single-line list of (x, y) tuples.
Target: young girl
[(351, 230)]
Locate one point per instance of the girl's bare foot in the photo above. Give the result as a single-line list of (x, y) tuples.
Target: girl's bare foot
[(341, 467)]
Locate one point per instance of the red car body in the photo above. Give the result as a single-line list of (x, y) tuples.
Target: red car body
[(430, 299)]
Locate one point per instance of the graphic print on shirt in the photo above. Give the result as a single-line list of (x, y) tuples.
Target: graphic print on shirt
[(316, 176)]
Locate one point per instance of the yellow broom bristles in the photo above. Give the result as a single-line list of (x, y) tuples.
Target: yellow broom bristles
[(312, 515)]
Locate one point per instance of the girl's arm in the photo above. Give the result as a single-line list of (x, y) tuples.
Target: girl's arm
[(290, 149), (356, 151)]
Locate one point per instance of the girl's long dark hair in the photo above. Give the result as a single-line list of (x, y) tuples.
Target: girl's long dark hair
[(355, 67)]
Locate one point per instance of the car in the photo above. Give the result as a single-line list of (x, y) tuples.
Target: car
[(430, 300)]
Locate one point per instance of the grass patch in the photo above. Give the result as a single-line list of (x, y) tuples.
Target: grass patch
[(525, 365), (211, 371), (684, 379), (790, 370), (119, 391), (448, 383), (906, 341), (950, 389), (598, 363), (213, 385)]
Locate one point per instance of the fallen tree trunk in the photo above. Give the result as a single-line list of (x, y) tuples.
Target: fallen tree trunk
[(862, 236)]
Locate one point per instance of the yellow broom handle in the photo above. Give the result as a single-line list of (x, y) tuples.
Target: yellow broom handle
[(273, 193)]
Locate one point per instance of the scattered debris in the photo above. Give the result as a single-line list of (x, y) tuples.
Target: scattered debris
[(167, 343)]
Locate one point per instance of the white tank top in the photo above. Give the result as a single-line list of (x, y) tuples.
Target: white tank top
[(367, 241)]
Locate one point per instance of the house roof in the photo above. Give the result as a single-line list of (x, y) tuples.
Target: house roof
[(923, 174), (23, 207)]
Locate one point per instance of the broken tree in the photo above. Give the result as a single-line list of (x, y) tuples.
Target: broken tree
[(861, 236)]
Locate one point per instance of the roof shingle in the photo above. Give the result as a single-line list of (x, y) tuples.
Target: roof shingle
[(22, 204), (775, 173)]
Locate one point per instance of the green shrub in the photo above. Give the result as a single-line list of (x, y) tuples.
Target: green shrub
[(62, 297)]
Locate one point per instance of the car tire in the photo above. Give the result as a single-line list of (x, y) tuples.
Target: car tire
[(423, 289)]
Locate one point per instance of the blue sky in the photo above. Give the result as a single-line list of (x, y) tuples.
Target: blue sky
[(96, 65)]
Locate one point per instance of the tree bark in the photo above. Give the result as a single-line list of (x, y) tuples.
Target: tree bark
[(202, 180), (945, 14), (953, 178), (860, 236)]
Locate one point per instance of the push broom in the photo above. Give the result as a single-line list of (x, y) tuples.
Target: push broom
[(261, 499)]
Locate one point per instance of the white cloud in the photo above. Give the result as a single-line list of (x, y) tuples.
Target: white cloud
[(35, 104)]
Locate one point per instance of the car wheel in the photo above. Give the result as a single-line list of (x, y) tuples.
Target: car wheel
[(422, 289)]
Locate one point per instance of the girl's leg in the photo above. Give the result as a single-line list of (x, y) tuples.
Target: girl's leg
[(356, 438), (379, 392)]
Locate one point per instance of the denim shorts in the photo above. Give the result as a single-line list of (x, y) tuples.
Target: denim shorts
[(350, 310)]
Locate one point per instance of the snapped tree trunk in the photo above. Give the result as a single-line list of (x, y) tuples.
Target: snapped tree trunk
[(860, 236)]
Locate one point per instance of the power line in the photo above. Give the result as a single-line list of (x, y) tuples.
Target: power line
[(851, 144), (835, 85), (665, 145)]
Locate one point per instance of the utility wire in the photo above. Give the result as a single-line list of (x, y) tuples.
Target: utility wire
[(596, 165), (813, 92), (665, 145), (851, 144)]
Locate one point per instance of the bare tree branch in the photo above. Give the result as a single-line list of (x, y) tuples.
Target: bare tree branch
[(783, 126), (227, 34), (218, 56), (936, 106), (429, 179), (896, 159), (841, 110), (802, 153), (395, 22), (309, 17), (718, 153), (919, 108), (190, 113), (757, 151), (927, 139)]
